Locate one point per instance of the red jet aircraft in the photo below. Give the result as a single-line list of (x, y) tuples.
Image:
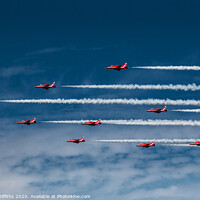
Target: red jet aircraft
[(118, 67), (195, 143), (147, 145), (76, 140), (92, 123), (28, 122), (158, 110), (46, 86)]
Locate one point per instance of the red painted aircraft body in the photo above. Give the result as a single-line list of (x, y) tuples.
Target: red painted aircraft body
[(92, 123), (27, 122), (46, 86), (118, 67), (76, 140), (158, 110), (195, 143), (147, 145)]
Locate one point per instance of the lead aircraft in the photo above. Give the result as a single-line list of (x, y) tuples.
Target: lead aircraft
[(158, 110), (46, 86), (147, 145), (118, 67), (27, 122), (92, 123)]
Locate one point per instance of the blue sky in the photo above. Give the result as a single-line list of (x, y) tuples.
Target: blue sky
[(71, 42)]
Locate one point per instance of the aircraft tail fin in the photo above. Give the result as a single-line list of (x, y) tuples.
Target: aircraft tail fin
[(52, 85), (164, 109), (124, 65), (152, 144), (82, 139), (33, 120)]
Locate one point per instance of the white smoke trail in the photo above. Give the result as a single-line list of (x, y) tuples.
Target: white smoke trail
[(192, 87), (180, 145), (195, 68), (138, 122), (188, 110), (178, 102), (149, 122), (164, 141)]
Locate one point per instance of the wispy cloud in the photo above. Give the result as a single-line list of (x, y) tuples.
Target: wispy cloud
[(74, 48), (17, 70), (93, 168), (45, 51)]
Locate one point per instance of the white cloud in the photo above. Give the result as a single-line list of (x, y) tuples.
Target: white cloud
[(37, 159), (45, 51), (18, 70)]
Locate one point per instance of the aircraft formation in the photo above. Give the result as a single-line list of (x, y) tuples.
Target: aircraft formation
[(98, 122)]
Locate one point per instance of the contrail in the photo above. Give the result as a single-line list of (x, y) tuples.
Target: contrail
[(188, 110), (165, 141), (191, 87), (178, 102), (180, 145), (195, 68), (138, 122)]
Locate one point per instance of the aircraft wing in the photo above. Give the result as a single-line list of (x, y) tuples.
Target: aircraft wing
[(153, 110), (114, 67), (40, 86), (88, 123), (118, 67), (23, 122), (85, 123), (73, 140), (143, 145), (43, 86), (195, 143)]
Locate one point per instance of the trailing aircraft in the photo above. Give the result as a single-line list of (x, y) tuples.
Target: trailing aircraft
[(76, 140), (146, 145), (46, 86), (118, 67), (27, 122), (92, 123), (158, 110)]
